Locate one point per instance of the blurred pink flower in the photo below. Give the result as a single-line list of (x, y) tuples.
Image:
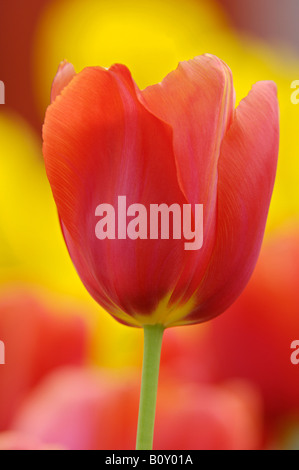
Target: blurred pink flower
[(11, 440), (86, 409)]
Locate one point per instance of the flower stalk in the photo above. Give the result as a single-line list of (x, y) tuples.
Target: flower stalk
[(153, 335)]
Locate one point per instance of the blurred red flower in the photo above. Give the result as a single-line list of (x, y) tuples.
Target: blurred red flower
[(252, 341), (38, 338)]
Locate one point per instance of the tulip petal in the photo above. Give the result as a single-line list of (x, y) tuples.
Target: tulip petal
[(100, 143), (197, 100), (246, 174)]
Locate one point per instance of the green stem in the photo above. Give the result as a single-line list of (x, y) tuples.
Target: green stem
[(153, 335)]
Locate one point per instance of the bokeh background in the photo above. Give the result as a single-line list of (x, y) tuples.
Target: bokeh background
[(72, 374)]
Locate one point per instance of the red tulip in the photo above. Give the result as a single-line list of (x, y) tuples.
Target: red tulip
[(179, 142)]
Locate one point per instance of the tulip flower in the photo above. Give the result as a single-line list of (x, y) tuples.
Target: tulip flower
[(115, 154)]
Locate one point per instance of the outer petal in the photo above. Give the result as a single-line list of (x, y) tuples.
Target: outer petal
[(197, 100), (246, 169), (101, 143)]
